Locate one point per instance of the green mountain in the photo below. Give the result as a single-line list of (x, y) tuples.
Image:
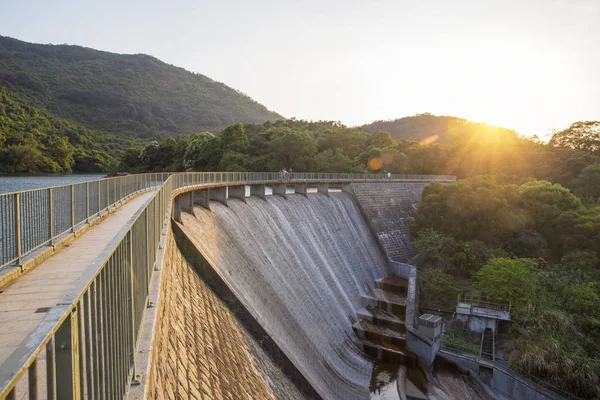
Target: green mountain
[(113, 100), (423, 126)]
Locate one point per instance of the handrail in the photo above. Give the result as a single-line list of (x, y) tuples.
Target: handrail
[(514, 372), (34, 218), (90, 337), (481, 302)]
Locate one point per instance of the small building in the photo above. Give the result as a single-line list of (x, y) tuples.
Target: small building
[(480, 314), (430, 326)]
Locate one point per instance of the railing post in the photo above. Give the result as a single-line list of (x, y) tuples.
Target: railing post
[(33, 381), (50, 370), (132, 299), (50, 218), (18, 222), (72, 208), (87, 202), (67, 358)]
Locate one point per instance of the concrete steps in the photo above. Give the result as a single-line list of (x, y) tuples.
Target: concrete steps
[(380, 317), (380, 330), (386, 353), (388, 301), (487, 345), (379, 333), (393, 283)]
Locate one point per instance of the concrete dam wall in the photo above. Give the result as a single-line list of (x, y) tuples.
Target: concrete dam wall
[(390, 209), (300, 266), (200, 350)]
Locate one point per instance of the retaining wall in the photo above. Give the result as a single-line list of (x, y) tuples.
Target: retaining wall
[(390, 209)]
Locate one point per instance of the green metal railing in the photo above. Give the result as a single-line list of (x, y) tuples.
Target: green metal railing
[(35, 218), (89, 339)]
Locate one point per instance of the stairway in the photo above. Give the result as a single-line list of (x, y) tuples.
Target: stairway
[(487, 345), (380, 329)]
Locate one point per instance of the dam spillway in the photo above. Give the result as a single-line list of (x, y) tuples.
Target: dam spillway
[(300, 266)]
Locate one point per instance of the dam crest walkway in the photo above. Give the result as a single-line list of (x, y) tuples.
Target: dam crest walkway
[(76, 263)]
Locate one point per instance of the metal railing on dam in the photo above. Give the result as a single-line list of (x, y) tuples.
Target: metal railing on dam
[(89, 339)]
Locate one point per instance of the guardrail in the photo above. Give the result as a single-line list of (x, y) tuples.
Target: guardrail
[(475, 301), (89, 339), (35, 218), (517, 373)]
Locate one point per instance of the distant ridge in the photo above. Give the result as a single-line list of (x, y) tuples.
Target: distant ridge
[(422, 126), (133, 95)]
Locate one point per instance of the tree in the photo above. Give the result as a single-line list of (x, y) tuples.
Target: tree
[(26, 158), (234, 138), (292, 150), (583, 135), (546, 201), (61, 152), (195, 157), (508, 280), (130, 160), (233, 161), (478, 208), (149, 156), (381, 139), (587, 183)]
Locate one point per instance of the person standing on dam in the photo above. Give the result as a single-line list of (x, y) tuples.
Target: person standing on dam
[(283, 172)]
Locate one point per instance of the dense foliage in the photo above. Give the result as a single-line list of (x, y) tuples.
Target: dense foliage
[(33, 140), (529, 242), (66, 108)]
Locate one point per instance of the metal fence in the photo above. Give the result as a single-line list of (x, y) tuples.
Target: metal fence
[(86, 346), (35, 218)]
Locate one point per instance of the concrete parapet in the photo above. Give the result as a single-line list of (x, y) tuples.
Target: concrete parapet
[(219, 194), (201, 197), (237, 192), (176, 210), (186, 202), (279, 188), (323, 188), (258, 190), (301, 188)]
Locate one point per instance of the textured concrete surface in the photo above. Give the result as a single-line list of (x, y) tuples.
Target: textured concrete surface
[(391, 208), (300, 266), (44, 286), (200, 350)]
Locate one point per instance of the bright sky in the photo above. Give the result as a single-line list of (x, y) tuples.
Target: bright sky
[(529, 65)]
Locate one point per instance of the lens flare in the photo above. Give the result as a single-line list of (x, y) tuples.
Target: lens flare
[(375, 164), (428, 140)]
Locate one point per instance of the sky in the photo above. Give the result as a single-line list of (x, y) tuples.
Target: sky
[(532, 66)]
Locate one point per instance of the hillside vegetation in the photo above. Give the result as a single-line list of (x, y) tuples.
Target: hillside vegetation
[(104, 96), (440, 129)]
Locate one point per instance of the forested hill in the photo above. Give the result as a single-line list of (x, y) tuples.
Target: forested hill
[(69, 108), (133, 95), (422, 126)]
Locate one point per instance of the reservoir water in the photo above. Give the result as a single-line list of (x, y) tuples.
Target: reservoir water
[(10, 184)]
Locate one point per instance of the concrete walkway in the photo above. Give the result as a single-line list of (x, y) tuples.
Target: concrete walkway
[(25, 302)]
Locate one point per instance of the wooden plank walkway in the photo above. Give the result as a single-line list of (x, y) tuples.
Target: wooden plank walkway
[(24, 303)]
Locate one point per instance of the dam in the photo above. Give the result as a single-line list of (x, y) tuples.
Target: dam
[(215, 289)]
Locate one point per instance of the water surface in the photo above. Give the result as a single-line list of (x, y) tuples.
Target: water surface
[(10, 184)]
